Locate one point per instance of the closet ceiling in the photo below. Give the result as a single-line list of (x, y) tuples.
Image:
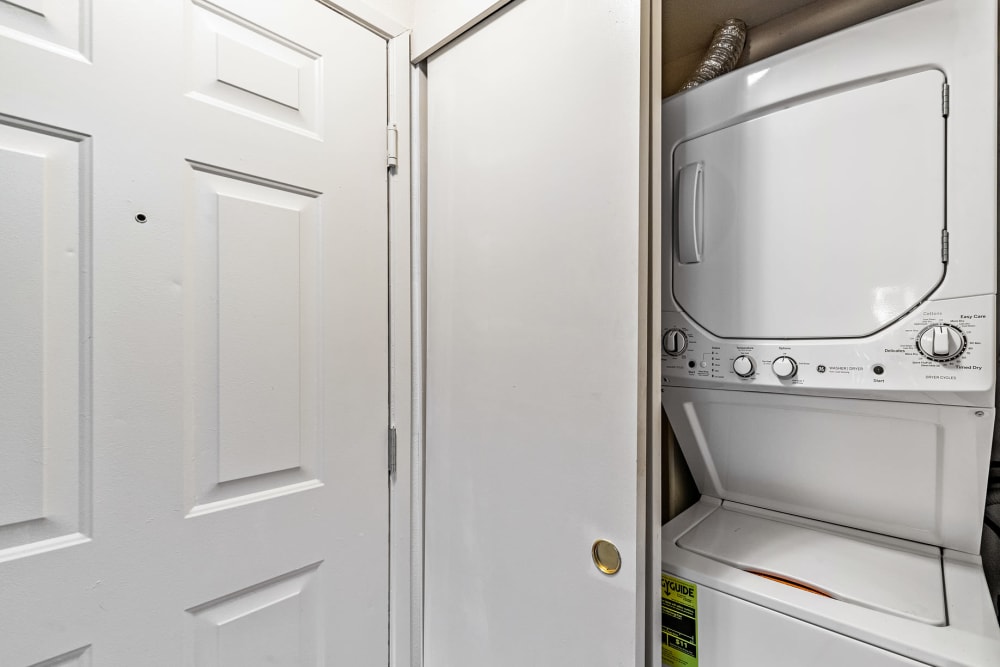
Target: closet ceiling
[(775, 25), (688, 24)]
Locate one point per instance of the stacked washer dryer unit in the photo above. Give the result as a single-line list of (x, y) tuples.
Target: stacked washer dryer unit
[(829, 347)]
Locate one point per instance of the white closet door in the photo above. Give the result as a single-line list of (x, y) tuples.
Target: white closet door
[(533, 297), (193, 335)]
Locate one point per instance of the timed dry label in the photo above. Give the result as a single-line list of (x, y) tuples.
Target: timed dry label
[(679, 608)]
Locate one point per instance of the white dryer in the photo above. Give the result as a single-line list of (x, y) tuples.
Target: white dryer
[(829, 348)]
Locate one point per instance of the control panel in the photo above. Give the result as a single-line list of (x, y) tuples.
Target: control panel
[(944, 352)]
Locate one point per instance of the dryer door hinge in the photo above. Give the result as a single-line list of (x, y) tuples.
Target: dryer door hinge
[(392, 451), (945, 99), (391, 146), (944, 246)]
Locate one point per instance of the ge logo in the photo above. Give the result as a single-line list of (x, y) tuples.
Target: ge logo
[(821, 368)]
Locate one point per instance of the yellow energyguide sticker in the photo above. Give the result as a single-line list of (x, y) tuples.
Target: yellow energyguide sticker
[(679, 608)]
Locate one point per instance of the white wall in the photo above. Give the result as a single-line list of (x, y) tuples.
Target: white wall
[(400, 11)]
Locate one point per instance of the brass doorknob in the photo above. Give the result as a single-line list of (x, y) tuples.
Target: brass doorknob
[(606, 557)]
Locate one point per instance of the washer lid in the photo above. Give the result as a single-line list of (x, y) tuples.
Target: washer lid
[(878, 573), (818, 220)]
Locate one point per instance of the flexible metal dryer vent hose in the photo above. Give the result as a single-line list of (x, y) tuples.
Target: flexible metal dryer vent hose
[(727, 45)]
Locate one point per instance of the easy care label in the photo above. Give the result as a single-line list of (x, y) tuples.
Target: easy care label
[(679, 608)]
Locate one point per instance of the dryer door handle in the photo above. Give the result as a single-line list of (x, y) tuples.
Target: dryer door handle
[(690, 213)]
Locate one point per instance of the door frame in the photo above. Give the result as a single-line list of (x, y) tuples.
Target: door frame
[(405, 409), (652, 176), (403, 646)]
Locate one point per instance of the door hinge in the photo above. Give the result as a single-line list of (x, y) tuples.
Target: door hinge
[(944, 246), (392, 451), (945, 99), (391, 147)]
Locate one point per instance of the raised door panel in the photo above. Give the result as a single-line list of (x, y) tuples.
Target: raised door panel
[(59, 26), (276, 622), (235, 63), (254, 264), (78, 658), (44, 353)]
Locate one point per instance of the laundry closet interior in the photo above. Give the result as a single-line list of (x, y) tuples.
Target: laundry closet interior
[(828, 352)]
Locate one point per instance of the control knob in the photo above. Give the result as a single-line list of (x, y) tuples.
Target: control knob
[(784, 367), (743, 366), (941, 342), (675, 342)]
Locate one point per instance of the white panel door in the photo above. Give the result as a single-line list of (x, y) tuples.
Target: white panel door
[(532, 335), (193, 335)]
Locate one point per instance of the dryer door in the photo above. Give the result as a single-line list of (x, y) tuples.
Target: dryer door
[(822, 219)]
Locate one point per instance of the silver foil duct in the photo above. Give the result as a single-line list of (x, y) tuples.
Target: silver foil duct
[(727, 45)]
